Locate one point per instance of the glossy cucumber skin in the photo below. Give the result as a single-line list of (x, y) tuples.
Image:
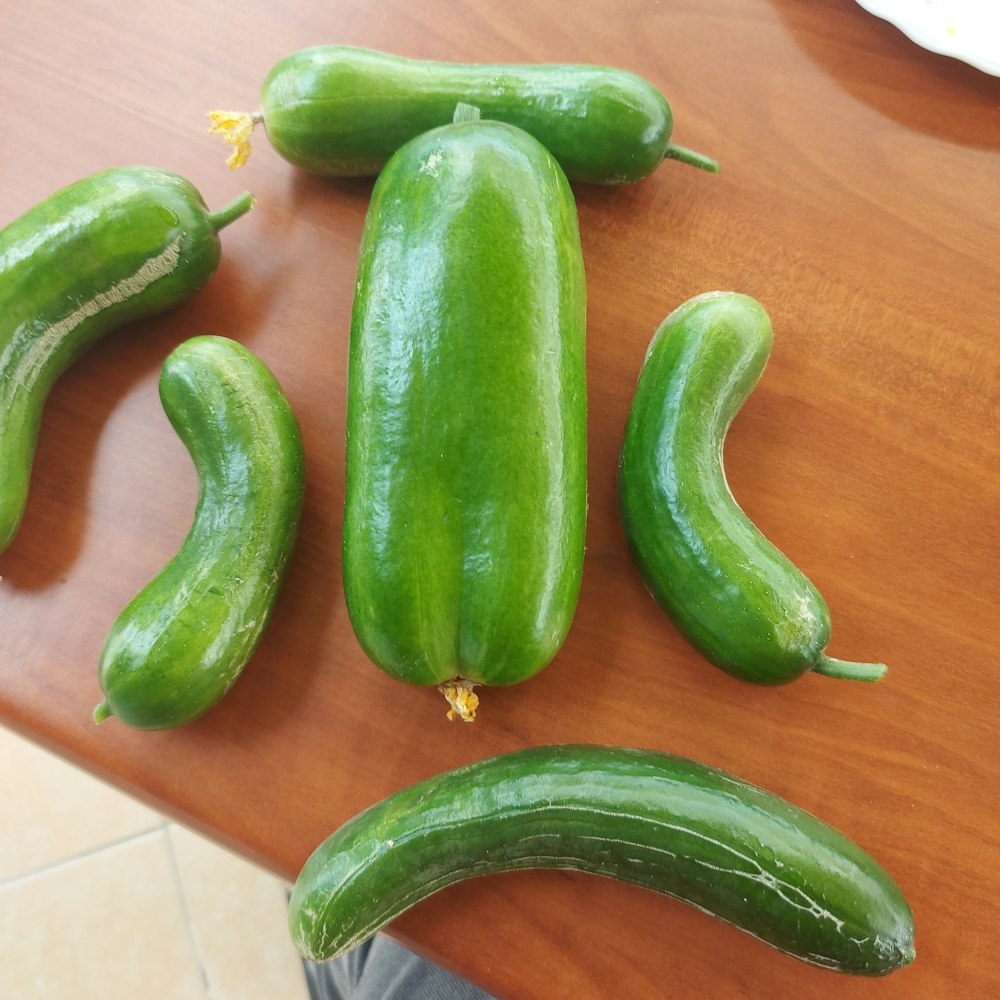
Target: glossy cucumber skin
[(110, 248), (649, 818), (738, 600), (183, 640), (466, 487), (344, 111)]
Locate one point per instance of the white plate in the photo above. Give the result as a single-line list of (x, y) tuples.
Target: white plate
[(966, 29)]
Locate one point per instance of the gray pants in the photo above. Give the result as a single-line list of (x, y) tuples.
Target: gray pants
[(380, 969)]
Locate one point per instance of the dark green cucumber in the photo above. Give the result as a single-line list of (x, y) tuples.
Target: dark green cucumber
[(466, 412), (730, 591), (113, 247), (344, 111), (183, 640), (644, 817)]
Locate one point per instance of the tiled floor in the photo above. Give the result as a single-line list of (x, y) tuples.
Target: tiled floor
[(100, 897)]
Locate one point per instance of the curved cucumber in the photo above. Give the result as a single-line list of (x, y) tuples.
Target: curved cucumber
[(181, 643), (730, 591), (466, 487), (649, 818), (113, 247), (344, 111)]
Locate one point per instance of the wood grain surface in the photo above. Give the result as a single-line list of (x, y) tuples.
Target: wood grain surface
[(858, 201)]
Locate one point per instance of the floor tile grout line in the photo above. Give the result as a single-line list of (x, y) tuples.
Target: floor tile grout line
[(159, 824), (107, 845), (186, 909)]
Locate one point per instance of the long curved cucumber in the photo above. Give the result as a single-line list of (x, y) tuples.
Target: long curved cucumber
[(738, 600), (338, 110), (466, 485), (641, 816), (113, 247), (183, 640)]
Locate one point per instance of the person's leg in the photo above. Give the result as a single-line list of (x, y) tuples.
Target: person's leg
[(340, 979), (381, 969)]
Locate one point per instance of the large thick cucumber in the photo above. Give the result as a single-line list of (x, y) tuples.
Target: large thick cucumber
[(466, 413)]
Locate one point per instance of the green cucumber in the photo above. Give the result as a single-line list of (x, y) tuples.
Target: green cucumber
[(466, 486), (183, 640), (344, 111), (641, 816), (113, 247), (736, 598)]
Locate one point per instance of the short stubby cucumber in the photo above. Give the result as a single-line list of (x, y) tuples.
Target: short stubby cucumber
[(113, 247), (641, 816), (343, 111), (466, 488), (183, 640), (738, 600)]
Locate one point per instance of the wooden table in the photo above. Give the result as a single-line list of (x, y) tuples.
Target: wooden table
[(857, 201)]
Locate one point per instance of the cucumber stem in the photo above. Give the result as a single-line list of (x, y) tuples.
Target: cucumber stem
[(830, 666), (240, 206), (692, 158), (102, 712)]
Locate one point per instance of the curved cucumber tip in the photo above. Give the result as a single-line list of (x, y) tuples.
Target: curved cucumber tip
[(102, 712), (692, 158), (830, 666)]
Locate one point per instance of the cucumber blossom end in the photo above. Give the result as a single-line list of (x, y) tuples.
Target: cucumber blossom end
[(462, 698), (236, 128)]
